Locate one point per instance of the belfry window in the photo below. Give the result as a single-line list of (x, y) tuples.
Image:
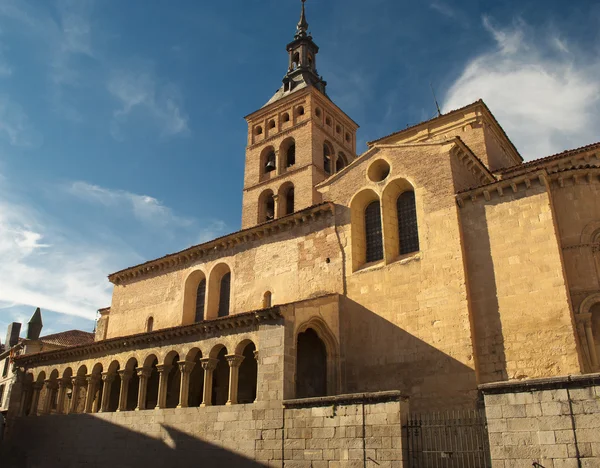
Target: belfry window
[(291, 155), (224, 295), (270, 164), (408, 231), (289, 201), (341, 162), (373, 232), (270, 208), (200, 296)]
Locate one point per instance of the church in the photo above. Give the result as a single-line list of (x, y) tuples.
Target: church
[(437, 271)]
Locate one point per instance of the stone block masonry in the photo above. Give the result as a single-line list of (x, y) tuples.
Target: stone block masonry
[(330, 432), (554, 422)]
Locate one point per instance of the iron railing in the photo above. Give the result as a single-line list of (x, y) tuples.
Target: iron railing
[(453, 439)]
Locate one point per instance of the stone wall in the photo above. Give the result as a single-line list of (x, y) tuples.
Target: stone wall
[(553, 422), (336, 432)]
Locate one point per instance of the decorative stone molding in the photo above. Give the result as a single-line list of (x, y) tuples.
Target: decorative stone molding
[(195, 253)]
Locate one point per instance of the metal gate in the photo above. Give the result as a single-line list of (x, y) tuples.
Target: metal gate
[(454, 439)]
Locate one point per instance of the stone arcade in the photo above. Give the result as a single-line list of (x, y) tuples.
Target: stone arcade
[(436, 270)]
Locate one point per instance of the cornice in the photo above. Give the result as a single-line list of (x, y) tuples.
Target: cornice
[(279, 105), (578, 175), (125, 343), (279, 177), (228, 242), (472, 163)]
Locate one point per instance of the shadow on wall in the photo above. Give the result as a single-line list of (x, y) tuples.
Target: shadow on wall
[(485, 310), (82, 440), (381, 356)]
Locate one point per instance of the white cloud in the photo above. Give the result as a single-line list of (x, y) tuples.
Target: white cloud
[(138, 91), (143, 207), (546, 97), (443, 9)]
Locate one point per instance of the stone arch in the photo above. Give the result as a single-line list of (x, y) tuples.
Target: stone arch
[(219, 291), (98, 389), (114, 387), (27, 401), (173, 379), (266, 206), (317, 360), (590, 233), (268, 160), (588, 329), (358, 206), (248, 372), (152, 384), (341, 162), (196, 385), (52, 392), (66, 377), (220, 383), (133, 388), (38, 403), (287, 152), (194, 301), (401, 236), (286, 199)]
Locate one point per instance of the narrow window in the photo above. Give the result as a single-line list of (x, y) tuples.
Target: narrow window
[(326, 158), (200, 296), (270, 162), (270, 208), (267, 300), (291, 155), (150, 324), (224, 295), (340, 163), (373, 232), (408, 231), (289, 201)]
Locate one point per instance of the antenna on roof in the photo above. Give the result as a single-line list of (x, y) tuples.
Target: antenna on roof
[(439, 112)]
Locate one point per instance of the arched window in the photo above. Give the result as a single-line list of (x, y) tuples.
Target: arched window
[(150, 324), (266, 206), (327, 153), (267, 300), (373, 232), (152, 383), (220, 388), (341, 162), (248, 374), (285, 117), (270, 163), (408, 231), (270, 208), (296, 60), (200, 297), (224, 295), (311, 365)]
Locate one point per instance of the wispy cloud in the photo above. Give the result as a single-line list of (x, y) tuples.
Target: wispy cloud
[(140, 95), (545, 94), (443, 8), (143, 207)]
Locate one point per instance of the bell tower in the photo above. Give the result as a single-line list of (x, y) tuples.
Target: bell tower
[(296, 140)]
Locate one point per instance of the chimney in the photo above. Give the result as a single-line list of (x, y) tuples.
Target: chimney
[(34, 327), (12, 335)]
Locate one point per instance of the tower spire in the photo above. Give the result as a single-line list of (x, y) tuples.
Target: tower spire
[(302, 28)]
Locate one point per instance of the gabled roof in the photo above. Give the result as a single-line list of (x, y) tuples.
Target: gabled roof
[(69, 338), (450, 114)]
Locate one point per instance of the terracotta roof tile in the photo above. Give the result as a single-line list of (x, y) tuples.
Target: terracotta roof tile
[(69, 338)]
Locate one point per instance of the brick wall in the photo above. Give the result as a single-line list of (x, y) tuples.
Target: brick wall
[(552, 422), (335, 432)]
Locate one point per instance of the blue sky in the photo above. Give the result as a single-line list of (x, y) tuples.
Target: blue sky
[(121, 122)]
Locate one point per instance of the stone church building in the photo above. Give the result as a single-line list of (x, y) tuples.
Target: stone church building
[(437, 271)]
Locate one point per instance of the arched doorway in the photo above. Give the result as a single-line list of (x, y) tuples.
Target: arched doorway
[(311, 365)]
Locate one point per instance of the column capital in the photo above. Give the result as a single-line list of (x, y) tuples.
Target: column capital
[(62, 383), (93, 378), (185, 367), (78, 380), (38, 385), (234, 360), (125, 374), (106, 377), (144, 371), (164, 368), (51, 383), (255, 352), (209, 363)]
